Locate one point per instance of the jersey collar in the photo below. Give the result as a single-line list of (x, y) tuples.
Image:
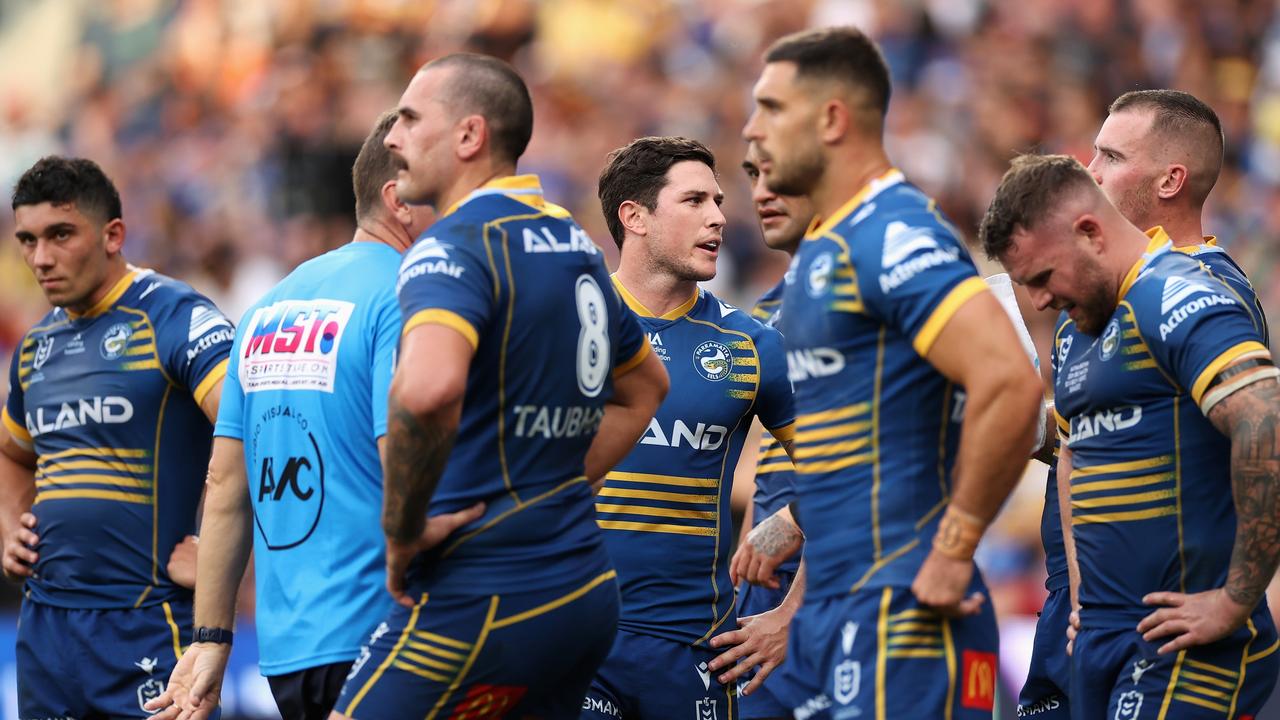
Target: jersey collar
[(820, 226), (638, 307), (1210, 243), (112, 296), (523, 188), (1158, 243)]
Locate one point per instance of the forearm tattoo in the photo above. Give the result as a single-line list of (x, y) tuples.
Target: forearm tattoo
[(1252, 418), (416, 455), (774, 536)]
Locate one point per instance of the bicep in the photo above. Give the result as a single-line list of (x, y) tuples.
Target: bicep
[(211, 400), (978, 341), (1244, 403)]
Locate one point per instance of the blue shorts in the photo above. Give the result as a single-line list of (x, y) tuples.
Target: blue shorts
[(764, 702), (1117, 674), (879, 654), (1044, 695), (485, 657), (651, 678), (96, 663)]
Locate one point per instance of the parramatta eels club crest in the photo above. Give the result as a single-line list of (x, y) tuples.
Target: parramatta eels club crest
[(713, 360)]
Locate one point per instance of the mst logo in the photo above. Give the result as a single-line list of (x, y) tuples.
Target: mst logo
[(293, 345), (290, 493)]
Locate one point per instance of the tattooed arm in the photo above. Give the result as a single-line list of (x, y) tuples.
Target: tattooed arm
[(1250, 416), (768, 545), (423, 412)]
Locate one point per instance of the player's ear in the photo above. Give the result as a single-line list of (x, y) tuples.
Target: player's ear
[(634, 217), (1087, 229), (472, 135), (391, 201), (113, 236), (1171, 181), (834, 119)]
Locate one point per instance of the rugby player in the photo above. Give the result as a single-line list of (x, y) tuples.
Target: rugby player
[(107, 430), (1156, 158), (515, 351), (766, 562), (1168, 403), (665, 508), (307, 387), (892, 341)]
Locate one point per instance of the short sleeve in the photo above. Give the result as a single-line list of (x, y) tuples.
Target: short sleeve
[(14, 413), (386, 338), (1058, 353), (231, 407), (194, 340), (924, 277), (1199, 330), (630, 345), (775, 403), (445, 283)]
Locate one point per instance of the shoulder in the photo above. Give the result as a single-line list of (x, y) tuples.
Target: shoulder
[(735, 320), (902, 223), (167, 299), (1171, 289)]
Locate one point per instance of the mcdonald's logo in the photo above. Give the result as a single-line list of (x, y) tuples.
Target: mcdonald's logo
[(978, 683)]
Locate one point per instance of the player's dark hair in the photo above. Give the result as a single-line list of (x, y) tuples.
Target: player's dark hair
[(60, 180), (844, 54), (486, 86), (1032, 188), (374, 166), (638, 172), (1185, 119)]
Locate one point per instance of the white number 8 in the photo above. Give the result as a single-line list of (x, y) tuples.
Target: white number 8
[(593, 341)]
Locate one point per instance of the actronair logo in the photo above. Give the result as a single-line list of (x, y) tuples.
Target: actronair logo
[(203, 319), (1177, 289), (1175, 297), (910, 251), (428, 256)]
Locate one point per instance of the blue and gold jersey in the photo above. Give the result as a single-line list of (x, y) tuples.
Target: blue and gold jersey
[(775, 475), (877, 427), (110, 402), (1151, 498), (1055, 549), (1223, 267), (665, 507), (526, 286)]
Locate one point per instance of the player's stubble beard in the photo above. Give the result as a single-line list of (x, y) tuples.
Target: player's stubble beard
[(1136, 204), (1099, 301), (797, 173)]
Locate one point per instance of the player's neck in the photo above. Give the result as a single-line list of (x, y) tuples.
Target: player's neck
[(845, 177), (658, 292), (378, 230), (1184, 228), (472, 177), (116, 269)]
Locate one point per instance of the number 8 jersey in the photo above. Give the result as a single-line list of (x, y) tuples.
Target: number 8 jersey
[(528, 288)]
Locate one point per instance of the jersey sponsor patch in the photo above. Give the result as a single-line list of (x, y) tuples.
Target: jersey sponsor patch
[(293, 345), (979, 680), (488, 702), (203, 319), (1177, 289), (428, 257), (909, 251)]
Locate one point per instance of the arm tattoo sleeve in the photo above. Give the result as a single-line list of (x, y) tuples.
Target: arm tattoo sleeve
[(416, 455), (1251, 418)]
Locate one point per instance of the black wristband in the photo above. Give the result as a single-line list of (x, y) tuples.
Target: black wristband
[(217, 636)]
